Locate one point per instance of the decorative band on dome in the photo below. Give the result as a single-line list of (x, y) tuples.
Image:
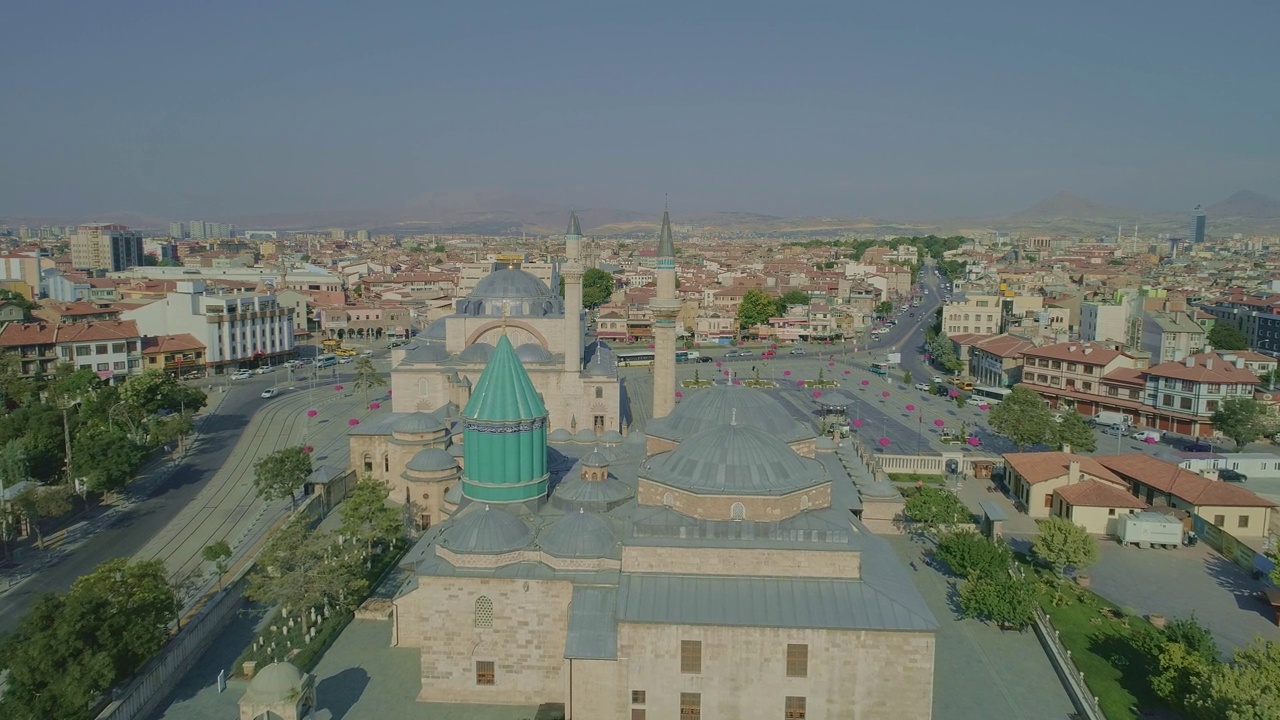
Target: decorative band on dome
[(506, 428)]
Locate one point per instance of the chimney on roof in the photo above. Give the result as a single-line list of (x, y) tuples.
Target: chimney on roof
[(1088, 350), (1208, 363), (1071, 348), (1073, 472), (1191, 361), (1240, 363)]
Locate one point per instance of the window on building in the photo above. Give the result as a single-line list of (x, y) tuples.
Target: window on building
[(368, 463), (1214, 389), (795, 708), (117, 347), (737, 511), (637, 697), (1055, 380), (690, 706), (1113, 391), (691, 657), (1088, 386), (117, 365), (1167, 401), (1088, 369), (484, 612), (100, 349), (1242, 521), (797, 660), (386, 463), (1111, 512), (1056, 364), (1188, 386), (104, 366), (1071, 367), (82, 350), (1219, 520), (599, 393), (1184, 403), (484, 672), (637, 714), (1211, 406)]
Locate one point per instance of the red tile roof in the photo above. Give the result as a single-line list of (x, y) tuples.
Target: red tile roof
[(171, 343), (1092, 493), (1038, 467), (1204, 367), (1183, 484), (98, 331), (1075, 352), (1005, 346)]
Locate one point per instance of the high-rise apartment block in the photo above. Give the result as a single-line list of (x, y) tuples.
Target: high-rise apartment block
[(176, 231), (1197, 225), (102, 246), (337, 235)]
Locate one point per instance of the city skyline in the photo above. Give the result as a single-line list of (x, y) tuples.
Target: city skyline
[(912, 113)]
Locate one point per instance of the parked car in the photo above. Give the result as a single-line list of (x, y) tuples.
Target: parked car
[(265, 369), (797, 351), (745, 353), (731, 354), (367, 353), (242, 375), (938, 379), (270, 393), (396, 343), (344, 359), (1199, 446), (975, 401), (1117, 430), (922, 386), (1229, 475), (1142, 435)]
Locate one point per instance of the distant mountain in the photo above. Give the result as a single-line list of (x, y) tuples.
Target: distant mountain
[(1245, 204), (1067, 205)]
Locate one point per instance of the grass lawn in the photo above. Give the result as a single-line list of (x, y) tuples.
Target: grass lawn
[(1096, 633), (915, 478)]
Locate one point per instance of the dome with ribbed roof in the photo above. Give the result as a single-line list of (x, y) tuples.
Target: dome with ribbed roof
[(426, 353), (486, 531), (734, 460), (584, 436), (477, 352), (611, 437), (721, 404), (511, 292), (533, 353), (579, 535), (560, 435), (511, 284), (418, 423), (595, 458), (602, 363), (277, 682), (432, 460), (437, 330)]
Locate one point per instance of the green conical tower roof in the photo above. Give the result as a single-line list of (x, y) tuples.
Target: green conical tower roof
[(666, 246), (504, 392), (574, 227)]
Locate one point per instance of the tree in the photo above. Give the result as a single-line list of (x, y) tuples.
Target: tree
[(1023, 418), (301, 569), (932, 507), (1195, 637), (789, 298), (1242, 419), (156, 390), (906, 377), (943, 353), (173, 427), (755, 309), (367, 377), (597, 287), (37, 503), (1002, 598), (17, 299), (967, 554), (884, 308), (218, 553), (282, 474), (1227, 337), (1061, 543), (138, 605), (1247, 689), (366, 515), (1075, 432), (106, 457), (39, 426)]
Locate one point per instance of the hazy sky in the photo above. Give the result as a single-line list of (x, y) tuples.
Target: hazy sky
[(896, 109)]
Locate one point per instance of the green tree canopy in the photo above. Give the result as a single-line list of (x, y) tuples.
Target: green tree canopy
[(944, 353), (366, 515), (968, 554), (301, 568), (39, 427), (1244, 420), (156, 390), (1023, 418), (367, 377), (789, 298), (218, 553), (1061, 543), (1004, 599), (107, 457), (17, 299), (934, 506), (884, 308), (756, 308), (1074, 431), (597, 287), (282, 473), (39, 503), (1227, 337)]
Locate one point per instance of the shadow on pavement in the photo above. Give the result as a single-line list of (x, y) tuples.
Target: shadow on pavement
[(338, 693), (1234, 580), (221, 654)]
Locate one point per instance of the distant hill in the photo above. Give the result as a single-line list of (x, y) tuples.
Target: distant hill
[(1071, 206), (1245, 204)]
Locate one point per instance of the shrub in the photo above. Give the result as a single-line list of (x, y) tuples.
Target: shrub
[(969, 554)]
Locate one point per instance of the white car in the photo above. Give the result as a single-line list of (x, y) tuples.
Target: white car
[(270, 393), (367, 353), (976, 401), (922, 386), (344, 359), (265, 369), (938, 379), (241, 375)]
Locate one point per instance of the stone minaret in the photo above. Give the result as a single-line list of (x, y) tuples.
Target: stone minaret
[(572, 274), (666, 308)]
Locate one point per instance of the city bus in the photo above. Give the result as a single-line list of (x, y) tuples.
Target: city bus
[(635, 357), (992, 395), (326, 360), (880, 368)]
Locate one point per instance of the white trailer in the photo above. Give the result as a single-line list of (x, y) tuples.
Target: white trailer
[(1149, 529)]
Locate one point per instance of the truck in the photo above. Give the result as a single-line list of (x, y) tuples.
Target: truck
[(1149, 529), (1110, 418)]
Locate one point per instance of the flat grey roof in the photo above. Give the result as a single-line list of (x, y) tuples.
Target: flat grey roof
[(593, 630), (993, 511)]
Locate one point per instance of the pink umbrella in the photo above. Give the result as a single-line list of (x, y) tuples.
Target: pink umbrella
[(718, 363), (884, 442), (817, 393), (374, 406), (786, 373), (984, 406), (884, 394), (308, 449), (910, 408), (954, 393), (846, 372), (939, 422), (312, 413), (773, 345), (865, 383), (388, 393), (353, 422), (831, 364), (857, 423), (679, 394), (737, 382), (975, 442), (726, 373), (1149, 440), (337, 387), (801, 383)]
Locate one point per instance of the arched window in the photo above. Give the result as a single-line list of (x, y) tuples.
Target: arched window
[(737, 511), (668, 500), (804, 502), (386, 463), (484, 612), (599, 393), (368, 463)]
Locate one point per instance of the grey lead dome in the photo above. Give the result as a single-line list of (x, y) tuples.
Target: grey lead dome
[(734, 460)]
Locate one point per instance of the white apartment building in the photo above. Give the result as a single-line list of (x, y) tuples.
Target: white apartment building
[(1196, 384), (103, 246), (113, 350), (1103, 322), (235, 328)]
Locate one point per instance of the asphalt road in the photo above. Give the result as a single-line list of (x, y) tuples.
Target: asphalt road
[(209, 495)]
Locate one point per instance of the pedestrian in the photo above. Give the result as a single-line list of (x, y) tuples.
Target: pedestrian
[(913, 566)]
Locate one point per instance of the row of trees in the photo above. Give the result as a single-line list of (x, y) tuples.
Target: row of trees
[(71, 648)]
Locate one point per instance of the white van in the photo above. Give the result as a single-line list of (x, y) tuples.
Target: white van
[(1142, 435)]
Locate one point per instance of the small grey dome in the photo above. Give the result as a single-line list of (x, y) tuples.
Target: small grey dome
[(435, 331), (584, 436), (560, 435), (453, 495), (486, 530), (479, 352), (611, 437), (595, 458), (575, 492), (533, 353), (579, 535), (721, 404), (602, 363), (419, 423), (276, 682), (426, 353), (879, 490), (734, 460), (432, 460)]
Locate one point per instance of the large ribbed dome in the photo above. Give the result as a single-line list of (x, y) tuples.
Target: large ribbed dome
[(721, 404), (431, 460), (426, 353), (533, 353), (511, 284), (478, 352), (734, 460), (579, 535), (486, 530)]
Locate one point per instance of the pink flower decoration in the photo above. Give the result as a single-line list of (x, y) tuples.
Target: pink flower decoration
[(866, 383), (939, 422), (975, 442), (884, 394), (954, 393), (817, 393), (337, 387), (374, 406), (786, 373), (718, 363), (831, 364), (857, 423), (308, 449), (312, 413), (679, 394), (884, 442), (984, 406), (737, 382), (388, 393), (801, 383), (353, 422), (726, 373), (846, 372), (910, 408)]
